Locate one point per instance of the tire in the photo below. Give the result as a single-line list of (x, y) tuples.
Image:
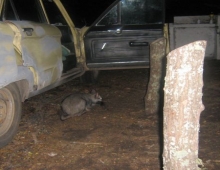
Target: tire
[(10, 113), (90, 77)]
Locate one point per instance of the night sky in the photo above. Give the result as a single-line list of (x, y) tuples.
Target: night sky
[(191, 7), (86, 11)]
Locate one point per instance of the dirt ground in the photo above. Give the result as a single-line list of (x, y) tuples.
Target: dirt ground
[(116, 136)]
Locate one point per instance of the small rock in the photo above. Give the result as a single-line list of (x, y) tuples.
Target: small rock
[(52, 154)]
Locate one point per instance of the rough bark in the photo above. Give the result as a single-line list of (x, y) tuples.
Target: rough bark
[(182, 106), (157, 56)]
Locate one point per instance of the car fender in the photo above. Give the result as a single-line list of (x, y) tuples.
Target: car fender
[(8, 65), (10, 71)]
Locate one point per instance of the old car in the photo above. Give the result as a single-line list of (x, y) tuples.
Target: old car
[(40, 48)]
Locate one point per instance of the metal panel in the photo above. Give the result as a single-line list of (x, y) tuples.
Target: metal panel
[(41, 50), (8, 66), (182, 34), (130, 47)]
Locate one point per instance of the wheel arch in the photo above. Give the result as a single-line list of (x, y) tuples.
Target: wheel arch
[(23, 87)]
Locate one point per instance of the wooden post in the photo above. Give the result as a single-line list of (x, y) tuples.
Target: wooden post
[(182, 106), (155, 85)]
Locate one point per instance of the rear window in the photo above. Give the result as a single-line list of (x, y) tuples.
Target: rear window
[(23, 10)]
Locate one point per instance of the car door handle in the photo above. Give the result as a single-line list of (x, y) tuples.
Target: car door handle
[(28, 31), (117, 31), (132, 43)]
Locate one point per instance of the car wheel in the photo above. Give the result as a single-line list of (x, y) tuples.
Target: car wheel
[(10, 113)]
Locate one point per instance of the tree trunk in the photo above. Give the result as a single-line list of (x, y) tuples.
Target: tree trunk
[(157, 56), (182, 106)]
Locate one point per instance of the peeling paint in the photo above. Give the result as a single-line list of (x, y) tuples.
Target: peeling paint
[(8, 66), (41, 50)]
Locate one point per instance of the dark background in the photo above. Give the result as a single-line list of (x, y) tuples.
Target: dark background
[(190, 8), (84, 12)]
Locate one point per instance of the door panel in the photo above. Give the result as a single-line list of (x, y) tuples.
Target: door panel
[(57, 19), (8, 66), (121, 37), (41, 50), (35, 40), (128, 48)]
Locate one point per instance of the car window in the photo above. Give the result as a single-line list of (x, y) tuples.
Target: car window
[(111, 18), (9, 13), (53, 13), (24, 10), (85, 12), (134, 12)]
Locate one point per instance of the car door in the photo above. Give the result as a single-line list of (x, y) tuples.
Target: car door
[(120, 37), (35, 40)]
